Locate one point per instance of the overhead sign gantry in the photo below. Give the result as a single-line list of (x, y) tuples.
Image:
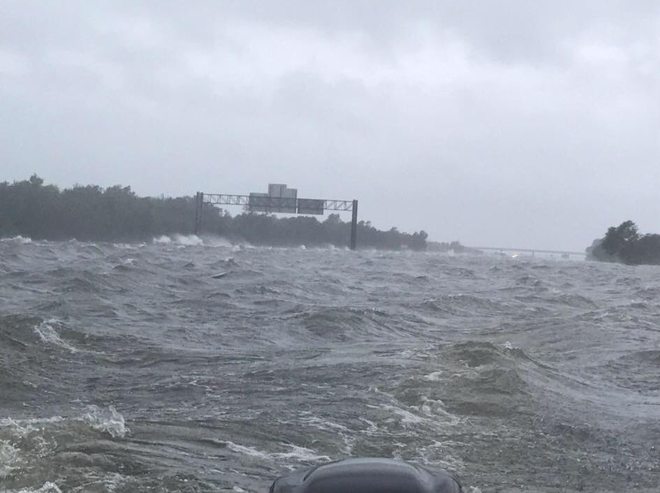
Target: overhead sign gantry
[(279, 199)]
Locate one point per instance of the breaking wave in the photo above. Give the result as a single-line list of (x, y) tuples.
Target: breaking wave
[(18, 239), (183, 240), (193, 240), (48, 334)]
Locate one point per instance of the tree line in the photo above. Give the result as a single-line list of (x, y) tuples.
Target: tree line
[(624, 243), (32, 209)]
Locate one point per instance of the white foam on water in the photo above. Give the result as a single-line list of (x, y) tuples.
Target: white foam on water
[(297, 453), (106, 420), (433, 377), (347, 435), (10, 459), (192, 240), (217, 241), (372, 427), (27, 425), (128, 246), (47, 333), (302, 454), (407, 418), (439, 454), (434, 408), (48, 487), (19, 428), (29, 434), (242, 449), (23, 240), (324, 424), (107, 482), (187, 240)]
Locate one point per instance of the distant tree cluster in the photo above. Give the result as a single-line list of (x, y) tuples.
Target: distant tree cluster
[(625, 244), (91, 213), (262, 229)]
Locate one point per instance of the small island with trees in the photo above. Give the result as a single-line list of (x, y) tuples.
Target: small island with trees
[(32, 209), (627, 245)]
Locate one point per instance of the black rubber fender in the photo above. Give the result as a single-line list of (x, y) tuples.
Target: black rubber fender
[(367, 475)]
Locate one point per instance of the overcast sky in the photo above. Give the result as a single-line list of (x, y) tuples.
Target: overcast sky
[(503, 123)]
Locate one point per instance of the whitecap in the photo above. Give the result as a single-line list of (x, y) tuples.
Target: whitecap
[(433, 377), (106, 420), (28, 424), (324, 424), (10, 459), (217, 241), (181, 240), (407, 418), (242, 449), (187, 240), (23, 240), (48, 487), (301, 454), (47, 333)]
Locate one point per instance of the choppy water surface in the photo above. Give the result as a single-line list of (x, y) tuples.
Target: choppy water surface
[(131, 368)]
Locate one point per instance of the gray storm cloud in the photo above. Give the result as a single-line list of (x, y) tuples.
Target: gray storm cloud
[(532, 124)]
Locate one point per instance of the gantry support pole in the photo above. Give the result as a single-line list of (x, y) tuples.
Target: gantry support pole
[(196, 224), (199, 208), (354, 225)]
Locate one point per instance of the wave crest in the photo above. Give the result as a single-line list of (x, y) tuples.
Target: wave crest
[(107, 420)]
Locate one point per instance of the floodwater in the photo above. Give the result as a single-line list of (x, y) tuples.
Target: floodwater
[(188, 366)]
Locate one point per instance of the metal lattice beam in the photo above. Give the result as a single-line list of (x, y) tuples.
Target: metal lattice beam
[(221, 199), (227, 199), (338, 205)]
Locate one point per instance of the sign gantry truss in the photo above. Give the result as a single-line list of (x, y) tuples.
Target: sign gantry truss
[(274, 202)]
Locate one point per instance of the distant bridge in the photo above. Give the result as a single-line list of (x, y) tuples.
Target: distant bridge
[(528, 250)]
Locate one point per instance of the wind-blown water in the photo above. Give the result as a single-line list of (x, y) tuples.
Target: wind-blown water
[(187, 367)]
